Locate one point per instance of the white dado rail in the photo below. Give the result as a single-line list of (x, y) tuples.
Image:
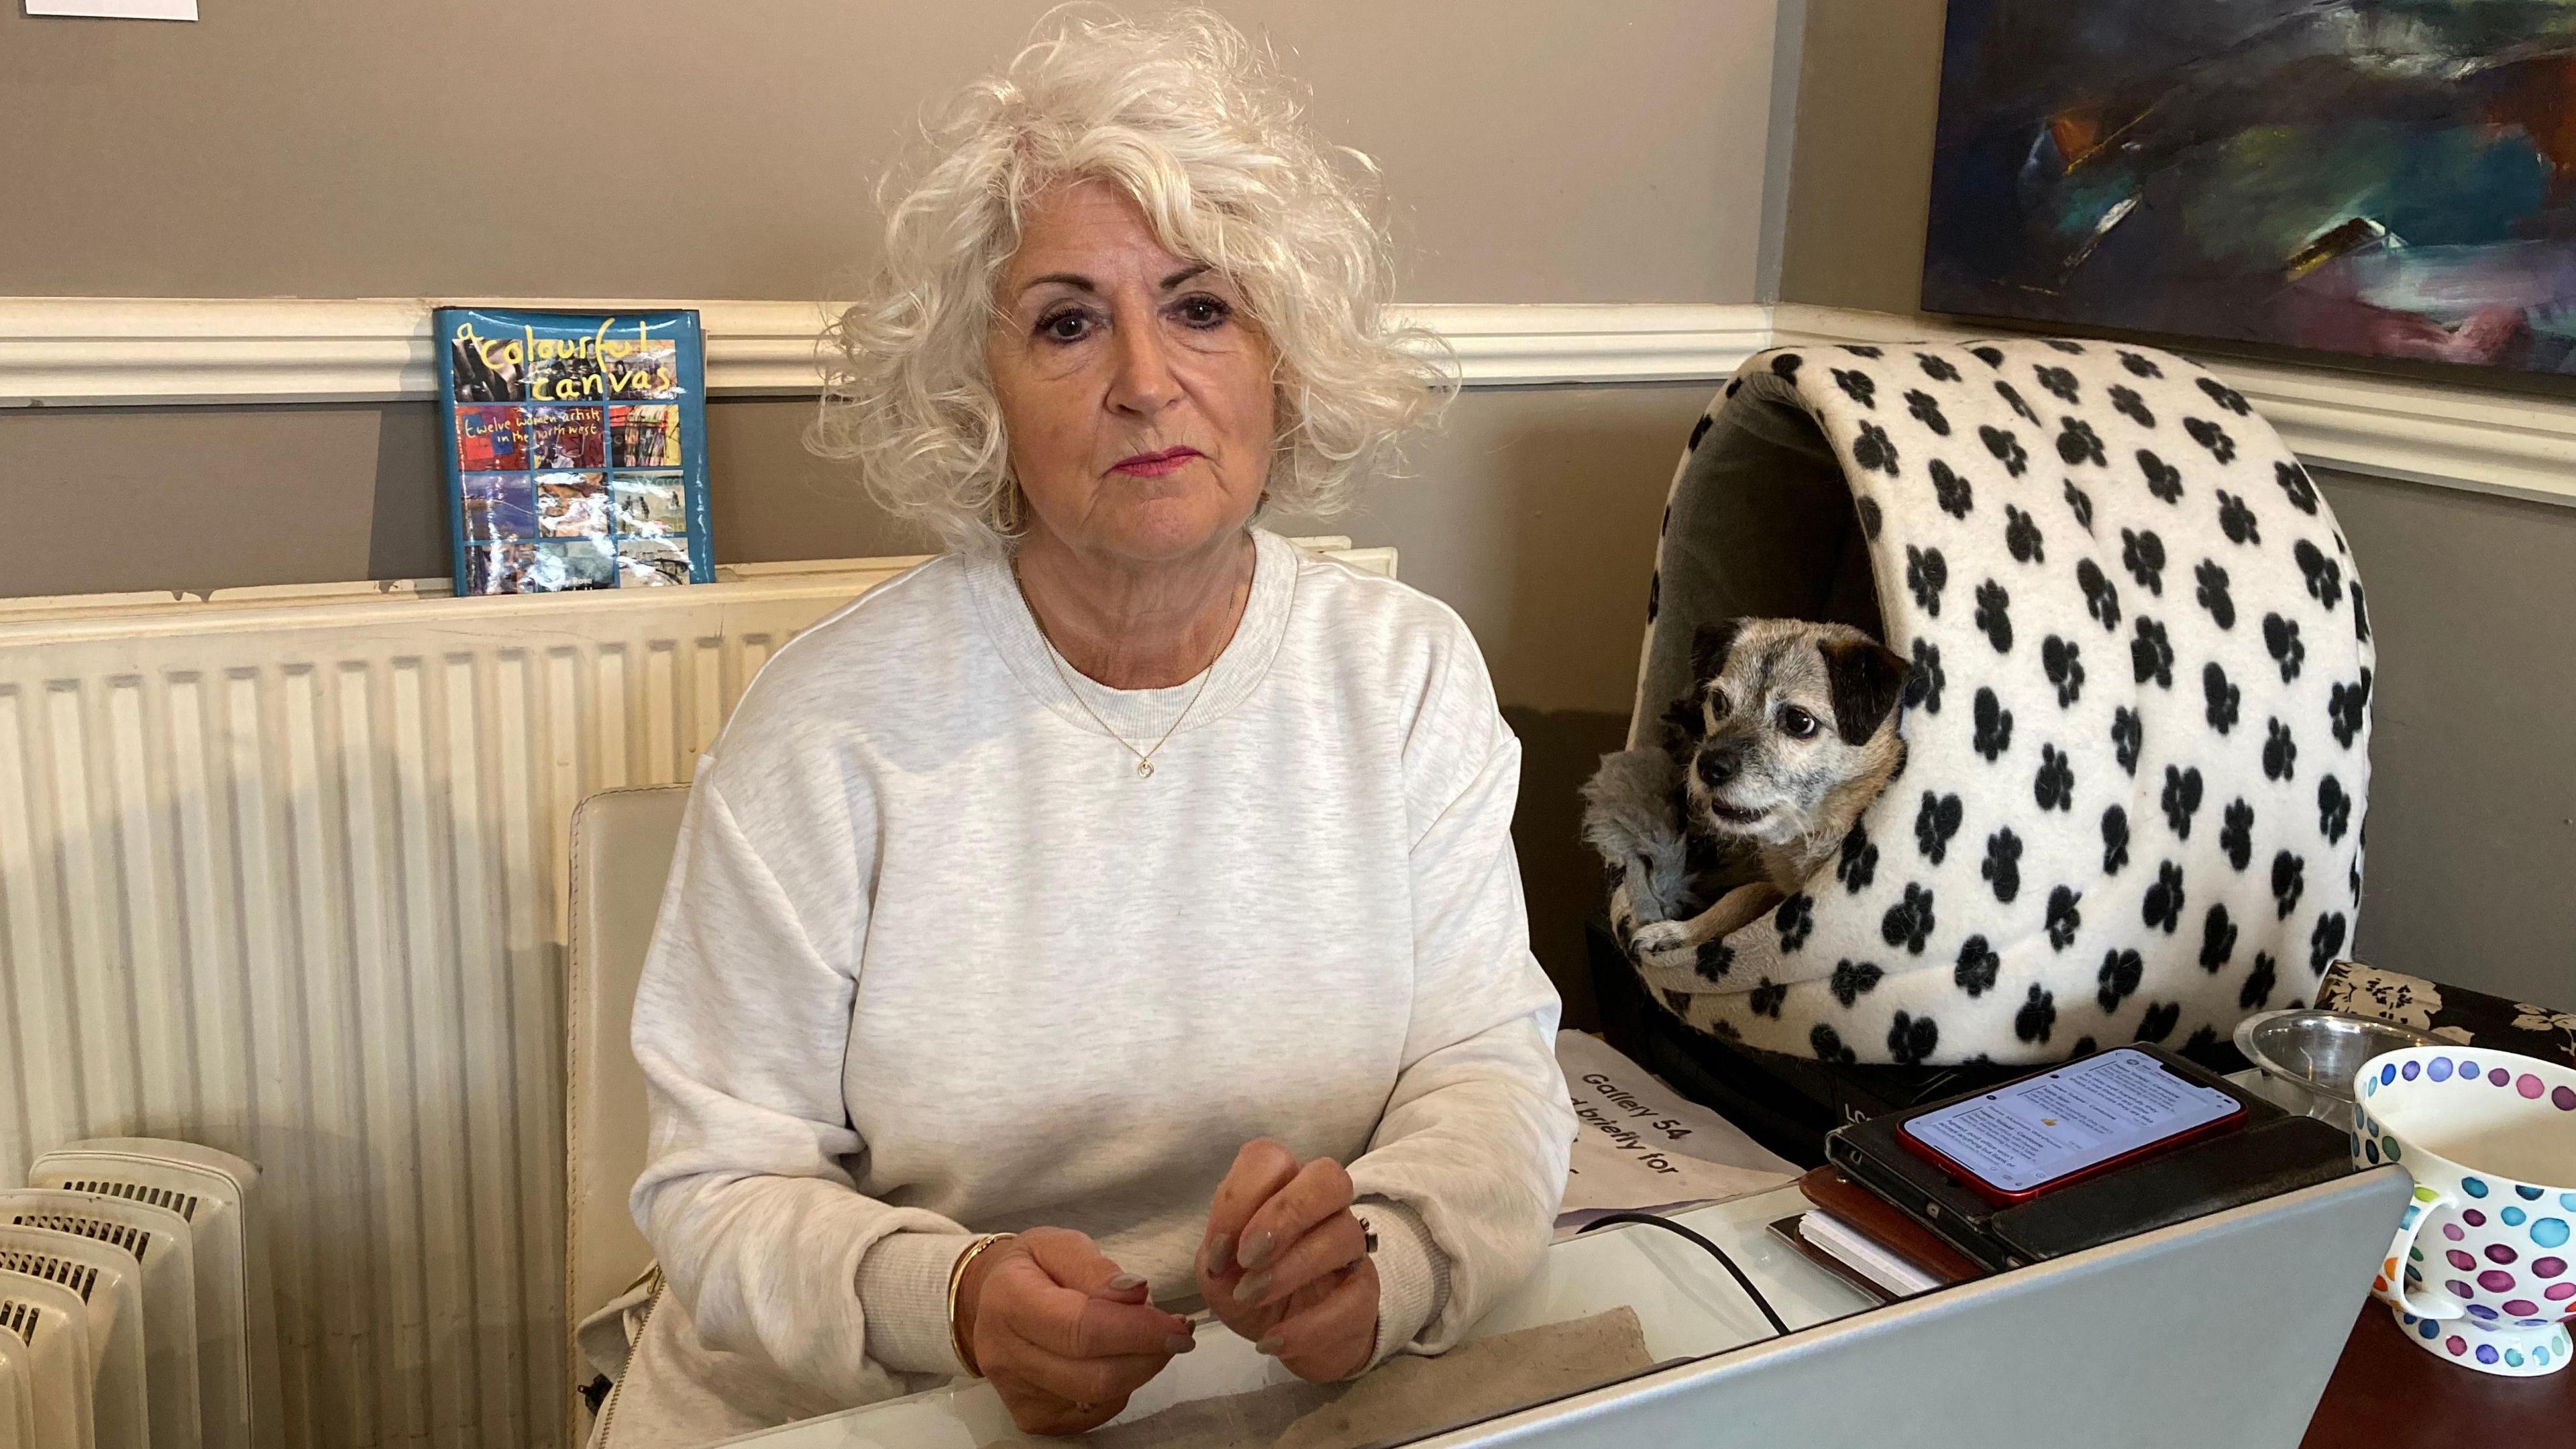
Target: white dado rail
[(91, 352)]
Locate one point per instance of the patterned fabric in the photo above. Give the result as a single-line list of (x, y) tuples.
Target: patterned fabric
[(2138, 724), (2453, 1013)]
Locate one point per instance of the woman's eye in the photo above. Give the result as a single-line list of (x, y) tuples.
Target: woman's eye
[(1064, 327), (1797, 722), (1203, 311)]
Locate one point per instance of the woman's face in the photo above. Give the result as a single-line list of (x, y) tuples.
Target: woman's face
[(1135, 389)]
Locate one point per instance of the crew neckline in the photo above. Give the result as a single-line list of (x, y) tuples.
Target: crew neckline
[(1140, 716)]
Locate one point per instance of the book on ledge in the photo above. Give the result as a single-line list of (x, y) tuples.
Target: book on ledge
[(576, 449)]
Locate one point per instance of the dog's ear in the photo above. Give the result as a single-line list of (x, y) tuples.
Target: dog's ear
[(1867, 679), (1709, 647)]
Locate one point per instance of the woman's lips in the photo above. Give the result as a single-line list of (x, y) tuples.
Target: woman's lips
[(1154, 465)]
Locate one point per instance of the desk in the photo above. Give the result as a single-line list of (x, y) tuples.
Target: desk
[(1687, 1304), (2388, 1394)]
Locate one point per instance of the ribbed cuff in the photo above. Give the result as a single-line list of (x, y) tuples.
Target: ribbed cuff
[(1412, 1274), (903, 1295)]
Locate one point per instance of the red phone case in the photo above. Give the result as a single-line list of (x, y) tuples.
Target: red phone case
[(2010, 1197)]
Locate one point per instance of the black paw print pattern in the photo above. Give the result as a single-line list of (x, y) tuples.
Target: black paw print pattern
[(2059, 382), (1923, 682), (1767, 998), (2217, 938), (1909, 922), (2079, 503), (2163, 908), (1994, 615), (2078, 444), (2224, 698), (2164, 480), (2158, 1021), (2115, 840), (2223, 395), (2101, 596), (2128, 737), (2237, 521), (2181, 799), (1869, 516), (2281, 640), (2037, 1017), (1936, 368), (2257, 991), (2063, 662), (1951, 491), (2022, 537), (2294, 481), (1994, 726), (1857, 865), (2140, 366), (2143, 555), (1927, 573), (1795, 921), (2289, 881), (2236, 833), (2006, 448), (2064, 920), (2213, 594), (2126, 402), (1854, 979), (2280, 752), (1912, 1039), (2054, 786), (2211, 436), (2012, 399), (2344, 706), (2324, 575), (2118, 979), (2002, 866), (1827, 1044), (1857, 386), (1927, 411), (2334, 810), (1977, 968), (2325, 943), (2151, 654), (1934, 823)]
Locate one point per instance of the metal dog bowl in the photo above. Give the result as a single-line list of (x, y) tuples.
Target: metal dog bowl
[(2309, 1057)]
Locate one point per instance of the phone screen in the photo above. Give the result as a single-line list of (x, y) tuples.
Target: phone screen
[(2081, 1115)]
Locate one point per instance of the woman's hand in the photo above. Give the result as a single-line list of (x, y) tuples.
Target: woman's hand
[(1286, 1265), (1064, 1335)]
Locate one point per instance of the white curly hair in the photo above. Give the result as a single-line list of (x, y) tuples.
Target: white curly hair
[(1197, 125)]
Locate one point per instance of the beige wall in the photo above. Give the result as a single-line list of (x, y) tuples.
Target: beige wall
[(2473, 798), (1537, 150)]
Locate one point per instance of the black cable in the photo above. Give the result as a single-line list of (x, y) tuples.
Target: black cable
[(1778, 1328)]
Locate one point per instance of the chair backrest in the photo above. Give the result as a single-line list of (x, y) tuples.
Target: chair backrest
[(621, 854)]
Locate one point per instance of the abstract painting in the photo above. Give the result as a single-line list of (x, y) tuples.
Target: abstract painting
[(2395, 178)]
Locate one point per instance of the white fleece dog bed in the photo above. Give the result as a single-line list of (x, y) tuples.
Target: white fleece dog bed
[(2138, 724)]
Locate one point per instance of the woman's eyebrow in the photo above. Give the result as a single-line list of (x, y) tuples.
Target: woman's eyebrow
[(1082, 283)]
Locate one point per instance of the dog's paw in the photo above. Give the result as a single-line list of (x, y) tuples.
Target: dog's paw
[(1660, 937)]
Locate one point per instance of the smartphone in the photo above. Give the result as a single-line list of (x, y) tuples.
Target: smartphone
[(2087, 1117)]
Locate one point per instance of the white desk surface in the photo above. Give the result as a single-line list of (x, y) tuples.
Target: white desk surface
[(1687, 1303)]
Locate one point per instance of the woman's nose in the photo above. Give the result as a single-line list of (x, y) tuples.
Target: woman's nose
[(1144, 383)]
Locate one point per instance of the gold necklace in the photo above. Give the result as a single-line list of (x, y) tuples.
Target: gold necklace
[(1144, 758)]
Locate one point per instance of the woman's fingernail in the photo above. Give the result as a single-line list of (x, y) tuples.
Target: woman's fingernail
[(1179, 1343), (1270, 1345), (1252, 1289), (1256, 1248), (1220, 1252), (1126, 1283)]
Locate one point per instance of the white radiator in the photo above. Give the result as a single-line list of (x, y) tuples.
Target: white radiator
[(282, 872)]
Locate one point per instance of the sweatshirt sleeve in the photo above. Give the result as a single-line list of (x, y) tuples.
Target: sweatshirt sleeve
[(741, 1026), (1465, 1172)]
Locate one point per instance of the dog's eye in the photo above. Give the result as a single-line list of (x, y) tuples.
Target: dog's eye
[(1717, 704), (1796, 722)]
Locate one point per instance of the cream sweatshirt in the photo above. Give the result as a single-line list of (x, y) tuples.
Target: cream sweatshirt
[(935, 961)]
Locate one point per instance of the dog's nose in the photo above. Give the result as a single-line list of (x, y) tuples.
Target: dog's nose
[(1716, 767)]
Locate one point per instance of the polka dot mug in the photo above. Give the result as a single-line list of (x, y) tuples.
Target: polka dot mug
[(2483, 1271)]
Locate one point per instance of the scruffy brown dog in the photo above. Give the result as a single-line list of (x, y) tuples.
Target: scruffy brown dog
[(1789, 732)]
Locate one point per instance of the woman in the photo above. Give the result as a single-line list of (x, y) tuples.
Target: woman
[(1122, 880)]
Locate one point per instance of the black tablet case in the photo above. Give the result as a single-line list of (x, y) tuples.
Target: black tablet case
[(2272, 1153)]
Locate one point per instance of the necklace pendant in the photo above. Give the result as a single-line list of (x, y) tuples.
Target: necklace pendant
[(1144, 769)]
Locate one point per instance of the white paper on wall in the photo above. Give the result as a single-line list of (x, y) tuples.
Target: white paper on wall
[(117, 9)]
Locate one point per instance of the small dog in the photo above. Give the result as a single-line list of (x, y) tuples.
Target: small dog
[(1789, 731)]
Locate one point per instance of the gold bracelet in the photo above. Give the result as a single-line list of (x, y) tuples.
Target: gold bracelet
[(957, 1280)]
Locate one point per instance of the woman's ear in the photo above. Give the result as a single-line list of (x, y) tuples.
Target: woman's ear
[(1866, 679)]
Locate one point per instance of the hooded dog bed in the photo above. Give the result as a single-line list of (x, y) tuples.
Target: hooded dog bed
[(2137, 720)]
